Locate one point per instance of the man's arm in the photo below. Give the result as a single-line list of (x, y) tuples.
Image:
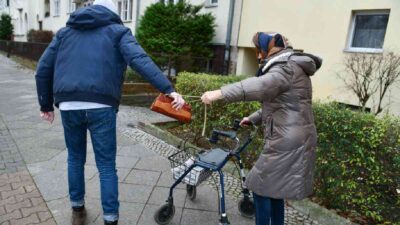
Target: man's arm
[(137, 59), (44, 76)]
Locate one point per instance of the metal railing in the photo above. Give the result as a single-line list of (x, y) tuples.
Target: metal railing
[(169, 63), (28, 50)]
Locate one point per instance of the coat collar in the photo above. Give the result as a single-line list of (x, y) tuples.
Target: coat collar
[(280, 57)]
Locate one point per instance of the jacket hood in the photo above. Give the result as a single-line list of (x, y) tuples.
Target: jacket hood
[(308, 62), (92, 17)]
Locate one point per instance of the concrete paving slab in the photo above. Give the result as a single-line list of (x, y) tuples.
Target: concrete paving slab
[(54, 184), (143, 177), (154, 163), (136, 150), (167, 181), (134, 193), (122, 174), (190, 216)]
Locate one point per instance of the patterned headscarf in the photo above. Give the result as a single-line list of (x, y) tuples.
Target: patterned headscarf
[(265, 41)]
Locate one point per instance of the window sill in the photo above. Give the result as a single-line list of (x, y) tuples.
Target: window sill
[(364, 50), (56, 16), (19, 35), (211, 6), (127, 21)]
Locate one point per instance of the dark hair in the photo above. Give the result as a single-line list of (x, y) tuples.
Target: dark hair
[(279, 41)]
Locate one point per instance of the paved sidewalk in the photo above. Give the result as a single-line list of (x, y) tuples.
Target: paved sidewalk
[(33, 177), (20, 199)]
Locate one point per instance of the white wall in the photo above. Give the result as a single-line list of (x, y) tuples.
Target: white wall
[(17, 13), (142, 8), (54, 22), (221, 13)]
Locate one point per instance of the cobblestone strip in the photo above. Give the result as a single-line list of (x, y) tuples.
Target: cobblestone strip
[(20, 201), (232, 184)]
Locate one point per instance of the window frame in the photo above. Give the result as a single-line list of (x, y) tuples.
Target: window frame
[(122, 11), (350, 38), (56, 9), (71, 6)]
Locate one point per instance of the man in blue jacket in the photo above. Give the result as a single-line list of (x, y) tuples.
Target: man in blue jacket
[(81, 72)]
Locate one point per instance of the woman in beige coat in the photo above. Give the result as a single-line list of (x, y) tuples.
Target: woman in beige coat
[(284, 169)]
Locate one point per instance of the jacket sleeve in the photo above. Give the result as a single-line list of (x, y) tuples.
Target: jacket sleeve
[(264, 88), (44, 75), (255, 117), (137, 59)]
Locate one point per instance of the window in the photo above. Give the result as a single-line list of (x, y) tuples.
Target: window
[(71, 6), (211, 3), (125, 9), (368, 31), (86, 4), (20, 22), (46, 8), (56, 7)]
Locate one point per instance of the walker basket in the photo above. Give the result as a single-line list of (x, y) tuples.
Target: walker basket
[(181, 162)]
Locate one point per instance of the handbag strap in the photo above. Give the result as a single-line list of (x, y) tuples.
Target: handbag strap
[(203, 132)]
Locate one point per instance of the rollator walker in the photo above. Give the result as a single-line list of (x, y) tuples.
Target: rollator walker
[(193, 170)]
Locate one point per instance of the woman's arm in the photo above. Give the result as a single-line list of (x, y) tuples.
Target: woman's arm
[(264, 88), (255, 117)]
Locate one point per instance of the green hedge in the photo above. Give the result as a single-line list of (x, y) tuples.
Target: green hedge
[(358, 163), (40, 36)]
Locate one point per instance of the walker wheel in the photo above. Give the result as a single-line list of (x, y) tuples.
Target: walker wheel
[(246, 207), (191, 191), (164, 214)]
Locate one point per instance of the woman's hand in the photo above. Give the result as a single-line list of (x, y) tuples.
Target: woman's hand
[(178, 102), (210, 96), (245, 122)]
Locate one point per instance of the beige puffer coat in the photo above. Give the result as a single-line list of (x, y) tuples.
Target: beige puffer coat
[(284, 170)]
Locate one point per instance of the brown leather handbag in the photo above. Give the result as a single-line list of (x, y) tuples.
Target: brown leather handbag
[(163, 104)]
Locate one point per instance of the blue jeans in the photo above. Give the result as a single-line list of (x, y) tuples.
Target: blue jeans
[(269, 210), (101, 124)]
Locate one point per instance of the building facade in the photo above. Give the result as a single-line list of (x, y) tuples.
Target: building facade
[(53, 14), (330, 29)]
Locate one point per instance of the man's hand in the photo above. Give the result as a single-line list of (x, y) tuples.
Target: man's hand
[(178, 102), (210, 96), (48, 116)]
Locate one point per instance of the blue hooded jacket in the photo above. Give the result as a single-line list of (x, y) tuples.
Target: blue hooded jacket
[(87, 59)]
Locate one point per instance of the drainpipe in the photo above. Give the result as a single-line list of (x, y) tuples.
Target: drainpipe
[(137, 14), (9, 7), (227, 56)]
